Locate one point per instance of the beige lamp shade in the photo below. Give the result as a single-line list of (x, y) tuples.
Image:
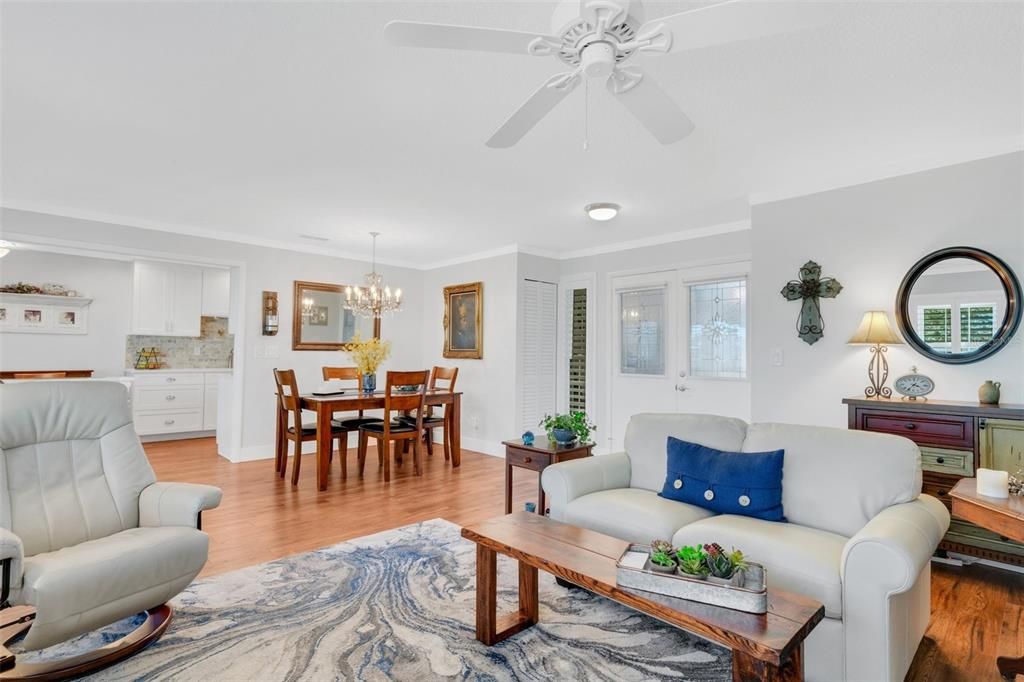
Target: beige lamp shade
[(874, 329)]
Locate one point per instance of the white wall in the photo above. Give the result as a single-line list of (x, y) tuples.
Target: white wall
[(488, 385), (107, 282), (265, 269), (867, 237)]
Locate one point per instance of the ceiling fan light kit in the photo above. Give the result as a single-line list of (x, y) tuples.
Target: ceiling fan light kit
[(602, 211), (597, 37)]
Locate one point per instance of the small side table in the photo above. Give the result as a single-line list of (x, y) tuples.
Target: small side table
[(537, 457), (999, 515)]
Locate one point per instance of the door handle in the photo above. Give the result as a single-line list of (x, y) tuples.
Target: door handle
[(680, 388)]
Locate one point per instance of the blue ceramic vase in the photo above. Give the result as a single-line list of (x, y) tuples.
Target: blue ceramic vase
[(563, 436)]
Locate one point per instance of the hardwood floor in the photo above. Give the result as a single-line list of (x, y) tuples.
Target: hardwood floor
[(977, 611)]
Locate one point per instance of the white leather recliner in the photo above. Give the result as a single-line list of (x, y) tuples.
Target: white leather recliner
[(859, 537), (87, 535)]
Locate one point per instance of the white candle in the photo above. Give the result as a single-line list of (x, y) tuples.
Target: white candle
[(993, 483)]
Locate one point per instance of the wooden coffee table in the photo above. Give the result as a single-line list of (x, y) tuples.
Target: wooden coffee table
[(765, 647)]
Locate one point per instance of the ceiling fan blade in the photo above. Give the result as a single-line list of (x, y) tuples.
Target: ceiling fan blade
[(650, 104), (731, 21), (554, 90), (416, 34)]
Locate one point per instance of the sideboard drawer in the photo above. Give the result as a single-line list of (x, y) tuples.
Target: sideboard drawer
[(527, 459), (938, 486), (168, 399), (933, 429), (169, 422), (947, 461)]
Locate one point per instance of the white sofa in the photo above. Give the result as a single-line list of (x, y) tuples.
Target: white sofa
[(859, 535)]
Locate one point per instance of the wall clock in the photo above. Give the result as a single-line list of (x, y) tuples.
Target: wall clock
[(914, 385)]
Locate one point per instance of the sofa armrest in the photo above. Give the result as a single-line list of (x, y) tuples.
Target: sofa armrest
[(564, 482), (176, 504), (12, 554), (885, 573)]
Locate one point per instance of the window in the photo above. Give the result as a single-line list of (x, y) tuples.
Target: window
[(936, 325), (642, 331), (976, 325), (718, 329), (577, 336)]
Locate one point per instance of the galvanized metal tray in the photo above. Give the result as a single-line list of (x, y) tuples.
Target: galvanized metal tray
[(751, 597)]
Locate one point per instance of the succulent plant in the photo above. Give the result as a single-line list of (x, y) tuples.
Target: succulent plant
[(691, 560), (661, 546), (718, 562), (662, 559), (739, 562)]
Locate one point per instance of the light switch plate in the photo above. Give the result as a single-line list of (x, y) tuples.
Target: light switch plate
[(776, 357)]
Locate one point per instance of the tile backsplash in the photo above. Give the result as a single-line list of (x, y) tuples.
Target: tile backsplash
[(211, 349)]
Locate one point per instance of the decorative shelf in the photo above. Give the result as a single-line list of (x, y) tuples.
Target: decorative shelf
[(43, 314)]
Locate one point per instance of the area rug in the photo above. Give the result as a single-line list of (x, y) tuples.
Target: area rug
[(399, 605)]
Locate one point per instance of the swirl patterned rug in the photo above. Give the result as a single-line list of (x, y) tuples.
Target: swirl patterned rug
[(400, 605)]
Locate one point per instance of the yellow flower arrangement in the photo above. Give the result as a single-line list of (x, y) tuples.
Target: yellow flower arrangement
[(368, 355)]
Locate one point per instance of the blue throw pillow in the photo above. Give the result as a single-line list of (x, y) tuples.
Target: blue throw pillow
[(745, 483)]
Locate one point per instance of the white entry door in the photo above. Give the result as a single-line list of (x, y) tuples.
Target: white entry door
[(679, 344)]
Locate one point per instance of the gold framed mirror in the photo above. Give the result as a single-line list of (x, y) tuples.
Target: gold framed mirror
[(320, 320)]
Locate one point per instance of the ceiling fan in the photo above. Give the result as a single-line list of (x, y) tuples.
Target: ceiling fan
[(598, 38)]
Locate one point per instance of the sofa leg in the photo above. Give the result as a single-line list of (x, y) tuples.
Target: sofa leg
[(20, 619)]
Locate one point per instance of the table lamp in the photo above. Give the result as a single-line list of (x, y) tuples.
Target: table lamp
[(874, 331)]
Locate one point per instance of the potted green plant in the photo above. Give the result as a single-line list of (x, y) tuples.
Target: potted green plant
[(564, 429), (663, 562), (691, 562), (725, 567)]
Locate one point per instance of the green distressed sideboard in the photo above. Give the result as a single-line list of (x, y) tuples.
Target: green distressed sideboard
[(955, 438)]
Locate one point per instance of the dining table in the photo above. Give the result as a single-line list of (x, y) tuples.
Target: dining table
[(353, 400)]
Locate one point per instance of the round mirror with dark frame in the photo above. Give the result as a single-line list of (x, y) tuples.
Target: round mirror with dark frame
[(959, 305)]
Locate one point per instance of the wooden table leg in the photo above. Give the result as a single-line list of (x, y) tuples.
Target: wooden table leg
[(508, 488), (748, 669), (1009, 668), (490, 628), (323, 445), (456, 434)]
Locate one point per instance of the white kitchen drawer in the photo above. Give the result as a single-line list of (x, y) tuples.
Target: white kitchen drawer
[(168, 379), (169, 422), (213, 378), (177, 398)]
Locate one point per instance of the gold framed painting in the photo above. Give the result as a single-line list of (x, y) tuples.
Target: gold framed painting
[(464, 321)]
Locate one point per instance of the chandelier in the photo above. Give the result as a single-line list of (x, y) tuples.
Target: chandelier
[(374, 299)]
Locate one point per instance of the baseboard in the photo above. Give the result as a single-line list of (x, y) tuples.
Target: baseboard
[(484, 446), (183, 435)]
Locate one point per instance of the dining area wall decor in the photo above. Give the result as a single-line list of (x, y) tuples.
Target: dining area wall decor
[(464, 321)]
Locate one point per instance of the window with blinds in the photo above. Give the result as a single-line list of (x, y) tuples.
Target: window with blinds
[(538, 343), (577, 381)]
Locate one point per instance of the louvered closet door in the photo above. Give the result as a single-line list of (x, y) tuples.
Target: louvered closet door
[(538, 339)]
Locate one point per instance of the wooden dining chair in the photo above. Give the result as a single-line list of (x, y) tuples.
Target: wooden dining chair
[(298, 433), (432, 420), (348, 424), (394, 429)]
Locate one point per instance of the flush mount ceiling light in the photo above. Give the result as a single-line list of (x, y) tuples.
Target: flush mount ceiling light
[(602, 211)]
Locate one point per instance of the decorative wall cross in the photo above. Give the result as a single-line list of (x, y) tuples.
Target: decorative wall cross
[(811, 287)]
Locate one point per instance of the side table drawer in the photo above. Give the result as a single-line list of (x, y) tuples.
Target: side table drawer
[(938, 486), (947, 461), (930, 430), (527, 459)]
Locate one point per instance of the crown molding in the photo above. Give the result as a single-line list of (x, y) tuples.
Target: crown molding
[(319, 248), (894, 169), (668, 238)]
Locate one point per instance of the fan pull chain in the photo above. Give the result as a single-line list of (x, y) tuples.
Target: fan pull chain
[(586, 114)]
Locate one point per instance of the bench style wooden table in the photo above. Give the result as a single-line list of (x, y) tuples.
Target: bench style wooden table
[(765, 647), (326, 405), (999, 515)]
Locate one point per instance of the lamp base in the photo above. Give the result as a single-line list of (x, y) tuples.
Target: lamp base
[(878, 372)]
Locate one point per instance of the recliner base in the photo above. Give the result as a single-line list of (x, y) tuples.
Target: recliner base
[(16, 620)]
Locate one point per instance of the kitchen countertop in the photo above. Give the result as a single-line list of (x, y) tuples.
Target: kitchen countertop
[(205, 370)]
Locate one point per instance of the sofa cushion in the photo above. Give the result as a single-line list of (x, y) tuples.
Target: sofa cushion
[(647, 436), (838, 480), (744, 483), (798, 559), (632, 514)]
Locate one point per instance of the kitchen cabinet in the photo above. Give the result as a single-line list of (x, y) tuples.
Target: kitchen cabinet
[(166, 402), (216, 292), (167, 299)]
